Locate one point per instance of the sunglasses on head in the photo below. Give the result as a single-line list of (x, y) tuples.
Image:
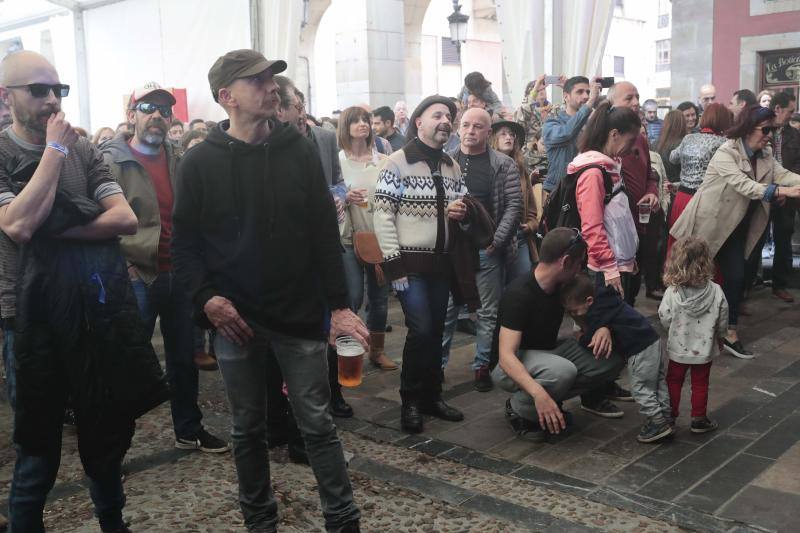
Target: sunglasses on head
[(766, 130), (148, 108), (574, 241), (41, 90)]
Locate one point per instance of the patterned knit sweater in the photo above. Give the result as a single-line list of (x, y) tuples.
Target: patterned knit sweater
[(410, 220)]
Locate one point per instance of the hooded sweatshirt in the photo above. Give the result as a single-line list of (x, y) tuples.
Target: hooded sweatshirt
[(631, 333), (604, 236), (256, 224), (695, 317)]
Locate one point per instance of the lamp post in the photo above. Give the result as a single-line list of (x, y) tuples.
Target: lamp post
[(458, 26)]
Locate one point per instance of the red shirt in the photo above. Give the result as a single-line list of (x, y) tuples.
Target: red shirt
[(157, 168)]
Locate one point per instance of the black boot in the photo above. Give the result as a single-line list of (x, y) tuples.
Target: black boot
[(439, 409), (411, 417), (338, 407)]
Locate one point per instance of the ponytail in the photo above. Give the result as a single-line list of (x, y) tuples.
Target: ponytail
[(604, 119)]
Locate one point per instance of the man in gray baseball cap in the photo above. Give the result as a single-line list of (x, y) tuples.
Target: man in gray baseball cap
[(237, 64), (264, 272)]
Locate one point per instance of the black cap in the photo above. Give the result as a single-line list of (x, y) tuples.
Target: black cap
[(240, 64), (425, 104), (516, 127)]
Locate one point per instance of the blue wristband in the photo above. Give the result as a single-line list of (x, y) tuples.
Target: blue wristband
[(61, 148)]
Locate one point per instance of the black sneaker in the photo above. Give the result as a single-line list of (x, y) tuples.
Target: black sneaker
[(736, 349), (618, 394), (604, 408), (483, 380), (703, 425), (653, 432), (205, 442), (526, 429)]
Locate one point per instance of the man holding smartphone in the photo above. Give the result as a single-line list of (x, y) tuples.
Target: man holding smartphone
[(561, 130)]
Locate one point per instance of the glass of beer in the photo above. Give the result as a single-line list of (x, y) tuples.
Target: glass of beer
[(350, 355), (644, 213)]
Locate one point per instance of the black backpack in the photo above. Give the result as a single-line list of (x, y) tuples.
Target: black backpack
[(561, 208)]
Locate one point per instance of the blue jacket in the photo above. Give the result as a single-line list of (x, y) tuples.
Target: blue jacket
[(653, 131), (560, 136), (631, 333)]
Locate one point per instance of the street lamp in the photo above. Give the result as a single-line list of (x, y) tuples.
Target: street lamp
[(458, 26)]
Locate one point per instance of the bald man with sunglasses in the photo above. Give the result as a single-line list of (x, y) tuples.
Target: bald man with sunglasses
[(39, 154)]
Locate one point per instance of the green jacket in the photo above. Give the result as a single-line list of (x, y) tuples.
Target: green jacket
[(141, 249)]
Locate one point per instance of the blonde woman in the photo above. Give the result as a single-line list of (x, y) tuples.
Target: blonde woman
[(361, 163)]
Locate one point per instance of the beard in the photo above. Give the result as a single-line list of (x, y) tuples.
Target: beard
[(152, 138), (34, 121)]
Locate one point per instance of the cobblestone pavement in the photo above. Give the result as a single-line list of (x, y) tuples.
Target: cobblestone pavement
[(475, 475)]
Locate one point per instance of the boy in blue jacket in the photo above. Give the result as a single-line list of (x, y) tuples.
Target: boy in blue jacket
[(632, 337)]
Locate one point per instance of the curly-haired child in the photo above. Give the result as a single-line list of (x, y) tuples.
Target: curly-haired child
[(695, 312)]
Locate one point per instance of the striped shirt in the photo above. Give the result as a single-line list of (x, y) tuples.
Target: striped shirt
[(83, 172)]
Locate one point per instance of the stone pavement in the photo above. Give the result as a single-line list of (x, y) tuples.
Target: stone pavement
[(476, 475)]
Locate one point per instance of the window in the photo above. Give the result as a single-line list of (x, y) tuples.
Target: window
[(662, 55), (664, 9), (451, 54), (619, 66), (662, 92)]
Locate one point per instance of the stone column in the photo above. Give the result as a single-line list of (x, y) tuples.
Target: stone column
[(370, 57)]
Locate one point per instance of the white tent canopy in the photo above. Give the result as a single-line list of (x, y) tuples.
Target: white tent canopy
[(105, 48)]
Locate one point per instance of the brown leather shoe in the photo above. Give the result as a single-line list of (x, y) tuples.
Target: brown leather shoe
[(205, 361), (783, 294), (376, 354)]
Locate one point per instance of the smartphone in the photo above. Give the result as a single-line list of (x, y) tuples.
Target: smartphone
[(552, 80), (607, 82)]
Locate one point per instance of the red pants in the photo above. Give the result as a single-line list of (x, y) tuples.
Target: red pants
[(676, 373)]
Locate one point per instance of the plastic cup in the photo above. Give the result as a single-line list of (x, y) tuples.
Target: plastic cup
[(350, 356), (644, 213)]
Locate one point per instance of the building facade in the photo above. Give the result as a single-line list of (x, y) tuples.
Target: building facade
[(735, 44)]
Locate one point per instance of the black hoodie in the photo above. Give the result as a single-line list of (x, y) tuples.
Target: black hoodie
[(257, 225)]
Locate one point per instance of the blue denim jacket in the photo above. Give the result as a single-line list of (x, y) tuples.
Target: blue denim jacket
[(560, 136)]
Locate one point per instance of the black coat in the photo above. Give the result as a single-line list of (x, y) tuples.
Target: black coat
[(78, 333)]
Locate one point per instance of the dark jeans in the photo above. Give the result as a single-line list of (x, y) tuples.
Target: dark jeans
[(35, 474), (377, 295), (782, 230), (166, 299), (627, 279), (304, 367), (425, 306)]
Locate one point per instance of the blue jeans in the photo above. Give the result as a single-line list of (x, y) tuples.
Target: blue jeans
[(305, 369), (522, 265), (424, 304), (35, 475), (490, 279), (450, 324), (378, 296), (166, 299)]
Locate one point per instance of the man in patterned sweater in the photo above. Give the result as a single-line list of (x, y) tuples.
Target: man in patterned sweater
[(417, 191)]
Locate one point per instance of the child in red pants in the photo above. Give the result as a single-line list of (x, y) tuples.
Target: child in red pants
[(695, 312)]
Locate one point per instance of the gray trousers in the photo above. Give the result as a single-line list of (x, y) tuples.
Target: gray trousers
[(648, 383), (304, 366), (565, 372)]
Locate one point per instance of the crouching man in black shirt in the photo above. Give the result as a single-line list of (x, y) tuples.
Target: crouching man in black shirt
[(532, 365)]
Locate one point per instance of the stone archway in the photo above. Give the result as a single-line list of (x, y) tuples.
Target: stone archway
[(305, 77), (414, 13)]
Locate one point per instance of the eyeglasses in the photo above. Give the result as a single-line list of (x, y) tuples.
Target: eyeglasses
[(766, 130), (41, 90), (148, 108)]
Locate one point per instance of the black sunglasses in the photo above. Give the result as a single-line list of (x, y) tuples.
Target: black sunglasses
[(574, 241), (41, 90), (766, 130), (148, 108)]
